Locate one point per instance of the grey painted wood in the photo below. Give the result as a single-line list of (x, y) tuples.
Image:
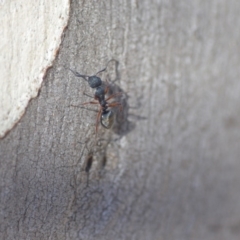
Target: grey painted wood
[(173, 173)]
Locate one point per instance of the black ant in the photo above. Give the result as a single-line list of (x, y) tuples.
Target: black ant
[(105, 115)]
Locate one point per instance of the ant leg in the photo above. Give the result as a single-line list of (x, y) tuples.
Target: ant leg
[(84, 93), (115, 104), (88, 95), (85, 103), (108, 82), (91, 102), (114, 95), (98, 120), (106, 89), (119, 106)]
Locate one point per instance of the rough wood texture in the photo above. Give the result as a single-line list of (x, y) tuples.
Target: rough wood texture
[(174, 172)]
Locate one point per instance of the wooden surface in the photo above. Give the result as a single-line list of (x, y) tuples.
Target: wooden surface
[(31, 34), (172, 171)]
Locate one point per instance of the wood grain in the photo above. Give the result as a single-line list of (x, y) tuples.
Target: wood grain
[(172, 172)]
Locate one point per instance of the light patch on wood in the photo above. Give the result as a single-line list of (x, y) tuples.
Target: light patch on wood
[(30, 37)]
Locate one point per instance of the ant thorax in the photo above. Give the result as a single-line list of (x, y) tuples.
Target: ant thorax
[(99, 93)]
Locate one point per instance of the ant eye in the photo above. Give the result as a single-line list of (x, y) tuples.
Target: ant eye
[(94, 81), (107, 119)]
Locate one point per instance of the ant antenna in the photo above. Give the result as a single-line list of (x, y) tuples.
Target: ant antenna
[(77, 74), (106, 66)]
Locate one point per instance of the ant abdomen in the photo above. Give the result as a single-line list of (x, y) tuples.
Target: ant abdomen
[(107, 119)]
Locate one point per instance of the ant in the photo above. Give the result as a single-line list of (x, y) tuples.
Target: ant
[(105, 115)]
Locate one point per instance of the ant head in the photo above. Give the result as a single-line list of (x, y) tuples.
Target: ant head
[(107, 119), (94, 81)]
